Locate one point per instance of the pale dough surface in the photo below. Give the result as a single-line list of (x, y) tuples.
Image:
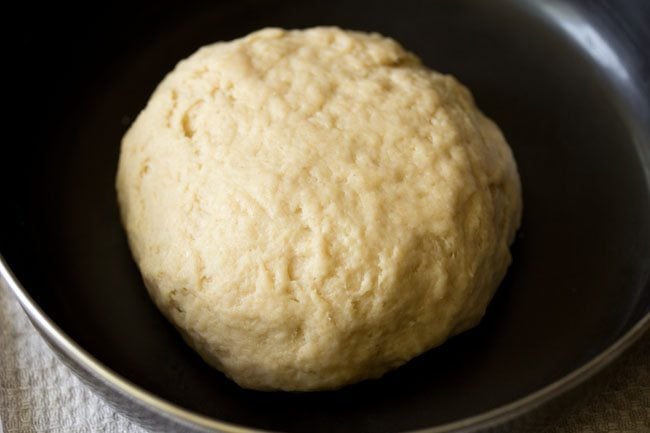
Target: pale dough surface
[(313, 208)]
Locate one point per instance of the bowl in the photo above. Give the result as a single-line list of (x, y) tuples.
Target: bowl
[(567, 81)]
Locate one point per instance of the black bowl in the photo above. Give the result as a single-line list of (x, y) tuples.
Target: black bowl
[(567, 81)]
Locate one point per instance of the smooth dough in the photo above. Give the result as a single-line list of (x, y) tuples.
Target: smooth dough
[(313, 208)]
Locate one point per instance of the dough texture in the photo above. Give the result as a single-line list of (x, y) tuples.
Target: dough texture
[(312, 208)]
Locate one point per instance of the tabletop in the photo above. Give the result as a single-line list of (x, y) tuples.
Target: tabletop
[(38, 394)]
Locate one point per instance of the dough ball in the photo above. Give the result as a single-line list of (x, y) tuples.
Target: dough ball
[(313, 208)]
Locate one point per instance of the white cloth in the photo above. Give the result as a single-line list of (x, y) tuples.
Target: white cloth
[(39, 395)]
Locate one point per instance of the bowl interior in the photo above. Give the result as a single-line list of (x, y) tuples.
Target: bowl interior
[(579, 277)]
